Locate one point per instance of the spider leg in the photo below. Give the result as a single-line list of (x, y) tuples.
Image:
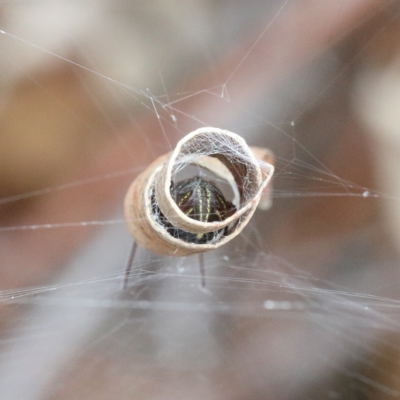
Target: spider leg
[(202, 270), (129, 265)]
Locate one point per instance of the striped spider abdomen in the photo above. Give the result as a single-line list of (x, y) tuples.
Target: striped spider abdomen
[(203, 201)]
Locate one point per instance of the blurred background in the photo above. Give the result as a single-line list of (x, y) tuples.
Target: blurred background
[(304, 304)]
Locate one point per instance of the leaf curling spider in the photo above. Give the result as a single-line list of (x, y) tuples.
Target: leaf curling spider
[(200, 200), (192, 216)]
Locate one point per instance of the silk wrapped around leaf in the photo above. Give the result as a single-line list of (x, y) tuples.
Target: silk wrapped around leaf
[(226, 155)]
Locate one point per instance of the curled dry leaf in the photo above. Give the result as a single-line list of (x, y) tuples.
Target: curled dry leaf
[(224, 154)]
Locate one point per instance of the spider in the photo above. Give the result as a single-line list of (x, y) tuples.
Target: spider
[(203, 201), (200, 200)]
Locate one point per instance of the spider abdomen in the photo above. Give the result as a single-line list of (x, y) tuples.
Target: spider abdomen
[(202, 201)]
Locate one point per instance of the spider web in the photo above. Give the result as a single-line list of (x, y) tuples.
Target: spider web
[(304, 304)]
